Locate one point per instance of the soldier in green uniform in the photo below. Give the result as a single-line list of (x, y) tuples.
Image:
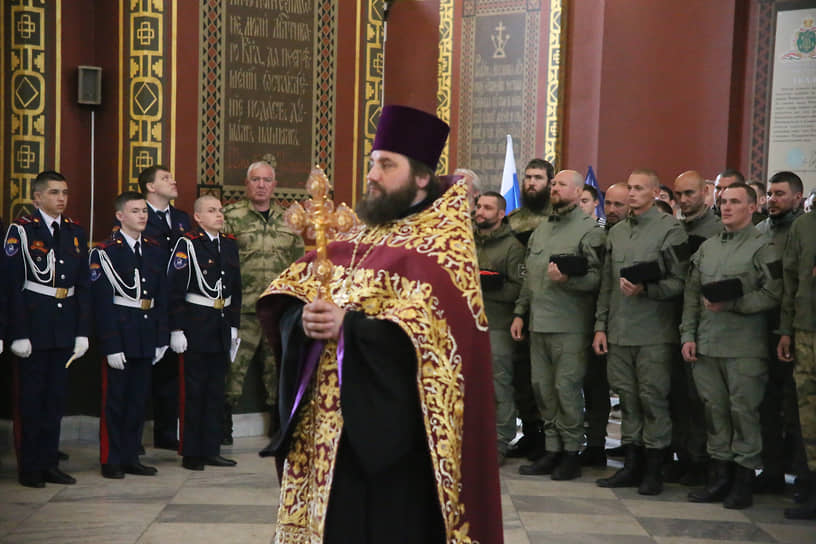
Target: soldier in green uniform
[(266, 246), (688, 436), (535, 207), (735, 279), (779, 413), (797, 343), (564, 259), (501, 264), (636, 323)]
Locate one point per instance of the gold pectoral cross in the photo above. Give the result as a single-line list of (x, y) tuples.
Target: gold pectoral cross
[(317, 218)]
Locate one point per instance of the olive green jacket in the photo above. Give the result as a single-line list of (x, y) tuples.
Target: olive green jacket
[(567, 306), (500, 252), (799, 276), (524, 221), (265, 247), (740, 330), (777, 227), (706, 225), (651, 316)]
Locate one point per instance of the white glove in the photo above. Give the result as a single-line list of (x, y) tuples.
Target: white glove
[(80, 346), (117, 360), (1, 347), (159, 354), (178, 341), (21, 348), (233, 334), (234, 343)]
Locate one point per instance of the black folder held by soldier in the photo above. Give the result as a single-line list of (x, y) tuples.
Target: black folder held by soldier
[(491, 280), (570, 265), (642, 272), (722, 290)]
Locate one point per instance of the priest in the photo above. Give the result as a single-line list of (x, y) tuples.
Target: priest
[(386, 402)]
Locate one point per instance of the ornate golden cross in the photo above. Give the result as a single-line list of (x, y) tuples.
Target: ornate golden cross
[(318, 219)]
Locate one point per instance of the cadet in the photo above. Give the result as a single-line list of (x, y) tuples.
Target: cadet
[(266, 246), (779, 414), (564, 259), (636, 323), (798, 343), (49, 323), (165, 224), (205, 311), (734, 279), (501, 262), (129, 289), (535, 207), (688, 435)]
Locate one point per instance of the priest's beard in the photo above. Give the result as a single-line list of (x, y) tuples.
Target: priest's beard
[(536, 201), (378, 210)]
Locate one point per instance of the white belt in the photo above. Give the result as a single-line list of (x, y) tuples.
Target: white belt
[(142, 303), (56, 292), (217, 303)]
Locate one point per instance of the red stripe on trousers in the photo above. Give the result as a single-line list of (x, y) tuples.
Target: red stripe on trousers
[(181, 403), (104, 441)]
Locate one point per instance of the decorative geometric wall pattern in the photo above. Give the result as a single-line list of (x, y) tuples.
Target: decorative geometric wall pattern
[(761, 107)]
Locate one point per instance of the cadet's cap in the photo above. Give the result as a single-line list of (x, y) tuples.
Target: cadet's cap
[(411, 132)]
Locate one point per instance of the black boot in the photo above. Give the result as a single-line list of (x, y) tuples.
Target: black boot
[(719, 483), (568, 468), (803, 489), (695, 474), (226, 429), (593, 456), (770, 480), (543, 465), (652, 483), (741, 495), (806, 509), (631, 473)]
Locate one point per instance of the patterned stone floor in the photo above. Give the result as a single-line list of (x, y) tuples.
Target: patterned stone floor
[(238, 505)]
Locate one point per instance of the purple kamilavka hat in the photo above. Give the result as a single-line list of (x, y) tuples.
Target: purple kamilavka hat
[(411, 132)]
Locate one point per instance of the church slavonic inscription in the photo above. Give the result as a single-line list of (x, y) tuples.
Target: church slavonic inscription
[(269, 86)]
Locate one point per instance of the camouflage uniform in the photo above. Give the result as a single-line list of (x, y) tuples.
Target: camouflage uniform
[(499, 251), (265, 248), (798, 319), (731, 367)]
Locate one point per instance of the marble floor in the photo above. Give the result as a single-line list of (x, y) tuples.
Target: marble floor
[(237, 505)]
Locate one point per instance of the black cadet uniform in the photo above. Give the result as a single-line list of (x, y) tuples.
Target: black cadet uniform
[(165, 386), (130, 319), (205, 303), (48, 304)]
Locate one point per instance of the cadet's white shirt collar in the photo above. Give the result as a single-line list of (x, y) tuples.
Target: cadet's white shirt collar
[(131, 241), (48, 220)]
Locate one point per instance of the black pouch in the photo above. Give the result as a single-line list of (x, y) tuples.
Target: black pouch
[(647, 272), (723, 290), (491, 280), (570, 265), (694, 242)]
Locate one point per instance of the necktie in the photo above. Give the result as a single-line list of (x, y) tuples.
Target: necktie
[(55, 235), (163, 218), (137, 250)]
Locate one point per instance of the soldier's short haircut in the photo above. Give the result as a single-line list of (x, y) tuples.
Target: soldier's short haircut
[(793, 181), (664, 206), (752, 197), (148, 175), (258, 164), (502, 202), (654, 179), (541, 164), (758, 186), (199, 202), (40, 183), (126, 197), (732, 173), (592, 191)]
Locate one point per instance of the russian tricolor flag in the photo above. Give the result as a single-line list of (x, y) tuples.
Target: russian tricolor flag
[(510, 185)]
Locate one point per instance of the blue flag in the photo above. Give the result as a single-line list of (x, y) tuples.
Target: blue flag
[(590, 180), (510, 185)]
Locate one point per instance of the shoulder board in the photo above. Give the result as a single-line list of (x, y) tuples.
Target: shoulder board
[(227, 236), (26, 219), (110, 242), (193, 234), (150, 241), (71, 221)]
